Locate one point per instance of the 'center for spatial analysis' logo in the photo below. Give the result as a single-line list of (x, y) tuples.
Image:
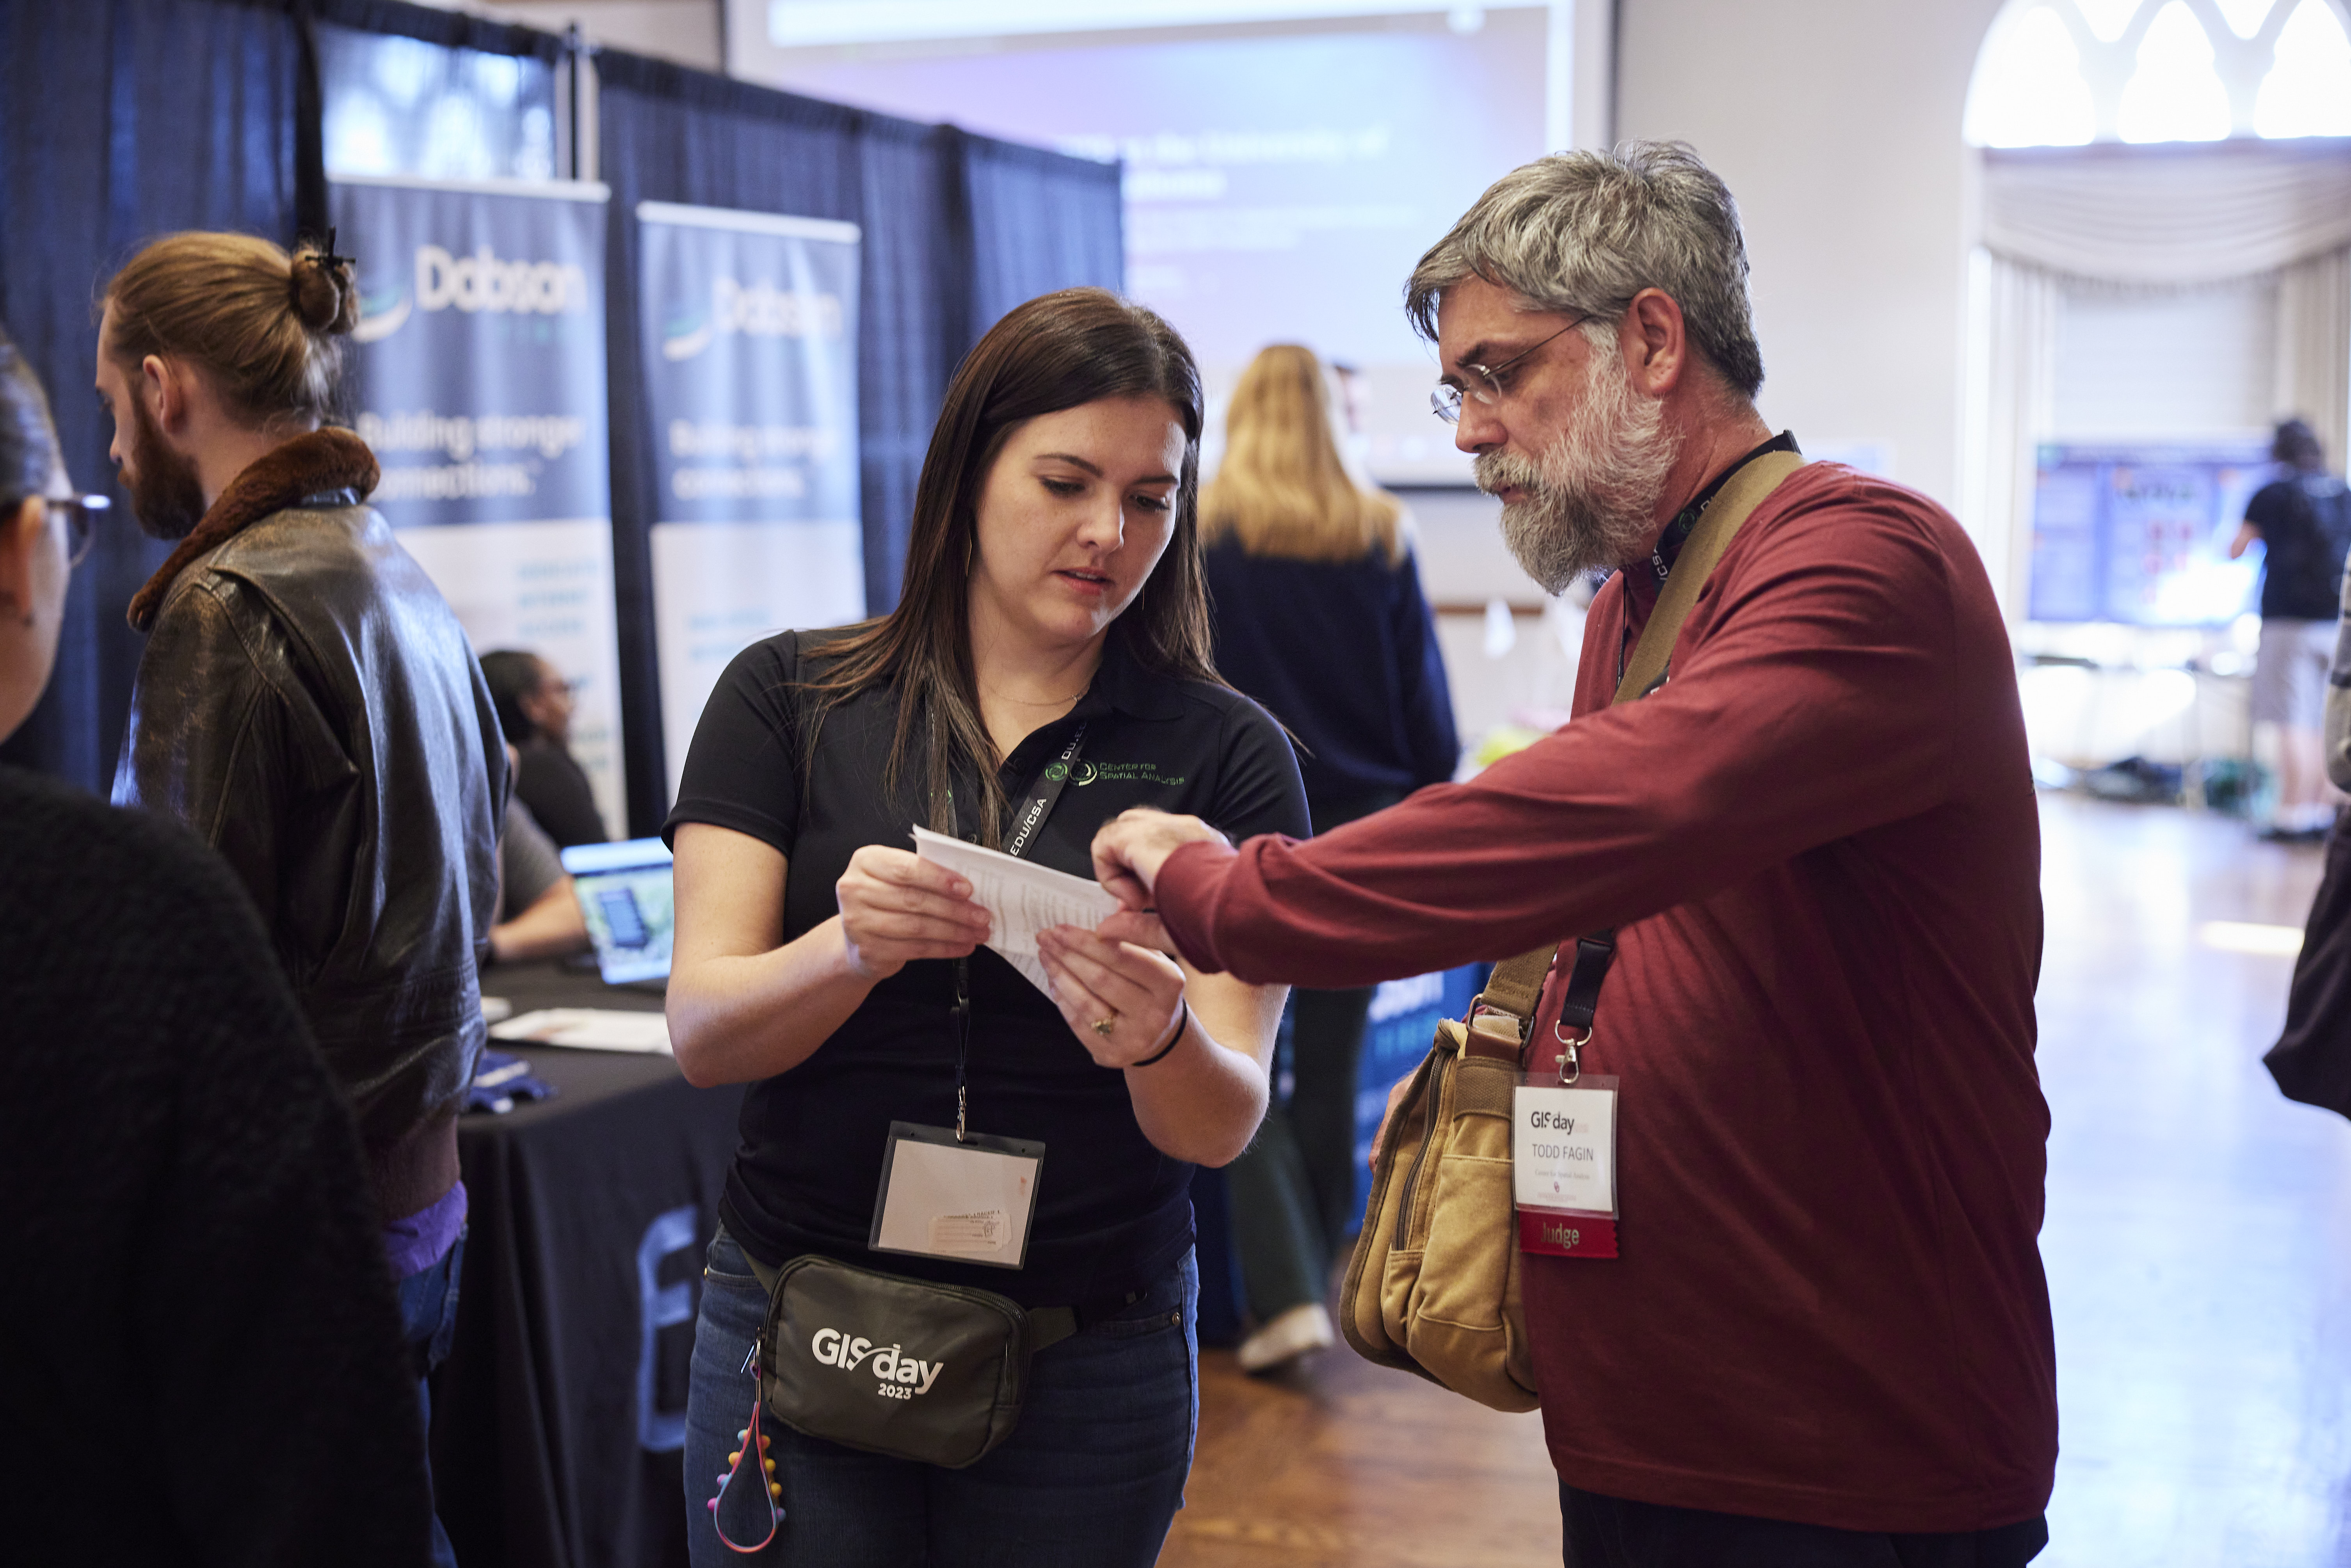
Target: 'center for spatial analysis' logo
[(483, 281), (755, 310)]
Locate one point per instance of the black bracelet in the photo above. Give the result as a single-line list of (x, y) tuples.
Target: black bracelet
[(1183, 1023)]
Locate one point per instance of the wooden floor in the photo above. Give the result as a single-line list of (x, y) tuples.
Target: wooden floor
[(2197, 1242), (1342, 1464)]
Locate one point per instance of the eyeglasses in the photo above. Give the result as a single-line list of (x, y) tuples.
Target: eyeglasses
[(1487, 385), (80, 515)]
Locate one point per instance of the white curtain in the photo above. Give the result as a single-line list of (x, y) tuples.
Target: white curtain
[(2012, 390), (2314, 349), (2169, 215)]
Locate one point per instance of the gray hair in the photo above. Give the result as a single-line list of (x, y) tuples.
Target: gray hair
[(1582, 233)]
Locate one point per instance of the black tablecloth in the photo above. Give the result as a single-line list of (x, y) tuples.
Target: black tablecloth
[(560, 1416)]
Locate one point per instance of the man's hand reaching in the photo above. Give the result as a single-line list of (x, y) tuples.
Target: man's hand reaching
[(1134, 845)]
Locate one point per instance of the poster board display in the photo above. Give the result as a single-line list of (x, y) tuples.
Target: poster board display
[(478, 379), (749, 329), (2138, 534)]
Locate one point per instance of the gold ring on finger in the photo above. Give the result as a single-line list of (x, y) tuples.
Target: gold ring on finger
[(1102, 1026)]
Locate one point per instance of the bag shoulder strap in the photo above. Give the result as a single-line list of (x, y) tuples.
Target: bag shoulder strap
[(1517, 983), (1731, 505)]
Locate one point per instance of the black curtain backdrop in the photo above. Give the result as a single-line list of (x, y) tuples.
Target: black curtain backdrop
[(147, 115), (129, 119), (1038, 221), (133, 119), (957, 230)]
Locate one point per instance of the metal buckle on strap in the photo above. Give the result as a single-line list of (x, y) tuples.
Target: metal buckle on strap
[(1478, 1009), (1570, 1063)]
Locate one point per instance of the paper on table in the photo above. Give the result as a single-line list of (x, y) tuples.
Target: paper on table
[(588, 1029), (1024, 898)]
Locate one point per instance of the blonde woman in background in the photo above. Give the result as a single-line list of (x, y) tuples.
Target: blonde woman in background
[(1320, 617)]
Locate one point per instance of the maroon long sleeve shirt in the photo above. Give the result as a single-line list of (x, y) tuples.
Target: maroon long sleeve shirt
[(1819, 845)]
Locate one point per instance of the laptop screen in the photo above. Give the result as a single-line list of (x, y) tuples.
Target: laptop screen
[(624, 894)]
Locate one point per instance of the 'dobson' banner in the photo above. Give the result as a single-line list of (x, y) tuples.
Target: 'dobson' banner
[(749, 327), (479, 382)]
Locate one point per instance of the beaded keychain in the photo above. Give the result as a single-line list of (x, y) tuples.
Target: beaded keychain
[(755, 1447)]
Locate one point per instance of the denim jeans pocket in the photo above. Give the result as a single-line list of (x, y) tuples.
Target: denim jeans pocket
[(444, 1333), (1160, 1310), (725, 1267), (1160, 1318)]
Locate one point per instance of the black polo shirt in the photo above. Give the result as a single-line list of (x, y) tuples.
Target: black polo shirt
[(1112, 1212)]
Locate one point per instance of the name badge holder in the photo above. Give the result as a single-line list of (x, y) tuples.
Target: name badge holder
[(949, 1192), (1563, 1125)]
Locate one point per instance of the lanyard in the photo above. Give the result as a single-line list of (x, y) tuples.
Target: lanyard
[(1043, 792), (1035, 807), (1663, 559)]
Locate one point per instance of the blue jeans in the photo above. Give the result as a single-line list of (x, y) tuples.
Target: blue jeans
[(428, 1320), (1091, 1477)]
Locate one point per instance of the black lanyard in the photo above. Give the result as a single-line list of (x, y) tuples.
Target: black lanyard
[(1677, 533), (1035, 807), (1043, 790)]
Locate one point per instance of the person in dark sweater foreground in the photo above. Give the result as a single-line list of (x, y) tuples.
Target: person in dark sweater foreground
[(200, 1362)]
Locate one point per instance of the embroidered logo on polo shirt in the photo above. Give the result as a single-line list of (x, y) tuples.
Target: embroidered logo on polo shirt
[(1124, 773)]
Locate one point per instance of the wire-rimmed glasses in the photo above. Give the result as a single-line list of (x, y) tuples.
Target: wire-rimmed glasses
[(80, 515), (1486, 383)]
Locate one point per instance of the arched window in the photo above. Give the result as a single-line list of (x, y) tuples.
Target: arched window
[(2061, 73)]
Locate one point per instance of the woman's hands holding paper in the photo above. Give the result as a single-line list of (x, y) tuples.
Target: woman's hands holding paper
[(896, 908), (1098, 978)]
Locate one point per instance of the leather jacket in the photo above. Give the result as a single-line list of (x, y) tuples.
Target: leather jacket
[(310, 705)]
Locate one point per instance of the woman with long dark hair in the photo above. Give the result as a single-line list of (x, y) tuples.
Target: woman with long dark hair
[(1047, 666)]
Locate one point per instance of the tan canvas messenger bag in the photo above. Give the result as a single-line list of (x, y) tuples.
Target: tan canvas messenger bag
[(1433, 1287)]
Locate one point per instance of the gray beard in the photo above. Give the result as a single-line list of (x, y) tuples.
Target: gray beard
[(1592, 496)]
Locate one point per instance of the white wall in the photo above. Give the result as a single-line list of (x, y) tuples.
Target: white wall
[(1836, 124), (686, 31)]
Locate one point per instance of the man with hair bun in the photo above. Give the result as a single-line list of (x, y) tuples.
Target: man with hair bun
[(1821, 1334), (308, 704)]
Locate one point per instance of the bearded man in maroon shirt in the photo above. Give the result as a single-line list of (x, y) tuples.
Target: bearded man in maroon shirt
[(1826, 1337)]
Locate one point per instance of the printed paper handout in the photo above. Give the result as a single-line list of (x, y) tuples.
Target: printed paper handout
[(588, 1029), (1025, 898)]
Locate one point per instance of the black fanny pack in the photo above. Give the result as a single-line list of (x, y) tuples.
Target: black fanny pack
[(897, 1367), (887, 1364)]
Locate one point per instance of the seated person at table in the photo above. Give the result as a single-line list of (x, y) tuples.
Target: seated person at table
[(538, 910), (1054, 630), (535, 710), (203, 1359)]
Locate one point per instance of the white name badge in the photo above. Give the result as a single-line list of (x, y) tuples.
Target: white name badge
[(970, 1200), (1563, 1167)]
